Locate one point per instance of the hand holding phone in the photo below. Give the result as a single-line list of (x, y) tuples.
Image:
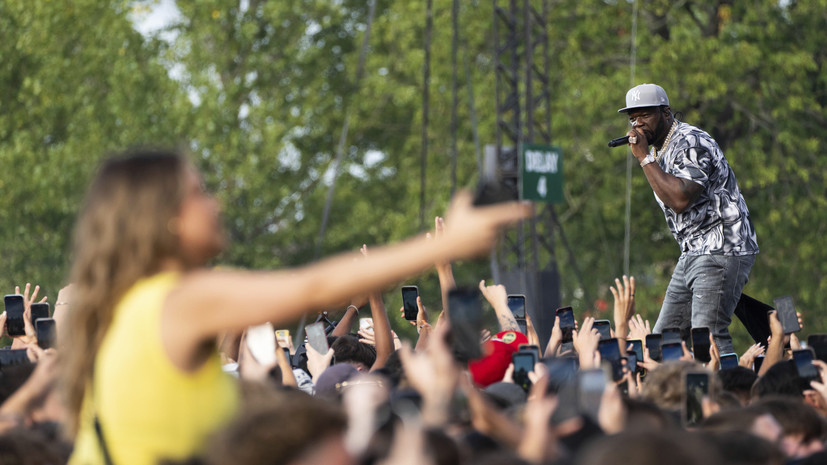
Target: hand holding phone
[(701, 344), (39, 310), (46, 333), (516, 303), (566, 316), (523, 365), (465, 316), (672, 351), (409, 295), (696, 386), (15, 325), (653, 345), (807, 371), (317, 338), (729, 361), (604, 327), (787, 315)]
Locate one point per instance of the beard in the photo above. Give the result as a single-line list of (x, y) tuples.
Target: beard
[(660, 131)]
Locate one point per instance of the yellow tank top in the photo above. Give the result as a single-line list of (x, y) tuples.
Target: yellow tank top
[(148, 408)]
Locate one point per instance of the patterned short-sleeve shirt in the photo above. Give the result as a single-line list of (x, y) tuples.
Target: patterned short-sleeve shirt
[(718, 221)]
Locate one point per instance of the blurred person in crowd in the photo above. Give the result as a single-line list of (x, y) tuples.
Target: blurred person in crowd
[(142, 375)]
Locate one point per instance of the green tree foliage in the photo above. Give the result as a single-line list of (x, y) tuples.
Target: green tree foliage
[(259, 92), (77, 81)]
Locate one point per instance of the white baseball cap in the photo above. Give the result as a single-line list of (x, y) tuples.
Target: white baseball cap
[(643, 96)]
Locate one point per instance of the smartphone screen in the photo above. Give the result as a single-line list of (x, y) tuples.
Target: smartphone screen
[(653, 344), (590, 387), (804, 365), (671, 351), (531, 348), (566, 315), (516, 303), (818, 342), (14, 315), (40, 310), (635, 346), (45, 331), (786, 314), (13, 357), (409, 295), (671, 335), (317, 338), (366, 324), (756, 364), (465, 315), (631, 362), (283, 337), (523, 365), (700, 344), (604, 328), (729, 361), (610, 353), (696, 386)]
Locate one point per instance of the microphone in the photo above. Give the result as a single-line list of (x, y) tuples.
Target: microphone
[(619, 141)]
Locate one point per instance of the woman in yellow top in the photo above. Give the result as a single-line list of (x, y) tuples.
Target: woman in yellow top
[(140, 354)]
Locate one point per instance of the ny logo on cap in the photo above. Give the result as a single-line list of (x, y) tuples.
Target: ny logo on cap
[(635, 94)]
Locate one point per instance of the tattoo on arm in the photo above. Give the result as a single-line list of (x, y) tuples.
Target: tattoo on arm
[(507, 322)]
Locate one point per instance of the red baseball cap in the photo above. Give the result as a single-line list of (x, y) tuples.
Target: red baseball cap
[(497, 356)]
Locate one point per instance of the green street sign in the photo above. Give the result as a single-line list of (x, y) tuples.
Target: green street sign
[(542, 173)]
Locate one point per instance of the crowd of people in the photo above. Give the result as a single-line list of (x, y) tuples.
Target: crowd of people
[(159, 359)]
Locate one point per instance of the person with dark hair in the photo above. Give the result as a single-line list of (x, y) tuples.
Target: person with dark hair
[(781, 379), (697, 191), (650, 448), (739, 381), (803, 430), (753, 420), (348, 349), (282, 428), (741, 448)]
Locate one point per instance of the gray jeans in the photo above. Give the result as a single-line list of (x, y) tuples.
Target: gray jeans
[(703, 292)]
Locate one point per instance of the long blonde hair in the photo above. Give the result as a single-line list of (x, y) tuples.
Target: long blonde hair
[(123, 234)]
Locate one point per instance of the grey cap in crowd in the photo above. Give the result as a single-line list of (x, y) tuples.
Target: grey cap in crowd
[(643, 96)]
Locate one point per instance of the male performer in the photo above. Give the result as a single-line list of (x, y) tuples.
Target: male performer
[(704, 209)]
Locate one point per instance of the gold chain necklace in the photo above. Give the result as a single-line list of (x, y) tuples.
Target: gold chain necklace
[(655, 153)]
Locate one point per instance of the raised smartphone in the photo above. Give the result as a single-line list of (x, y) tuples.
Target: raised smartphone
[(696, 386), (317, 338), (516, 303), (671, 335), (566, 315), (729, 361), (700, 344), (653, 345), (604, 328), (409, 295), (671, 351), (46, 333), (786, 314), (465, 315), (523, 365), (14, 315), (40, 310)]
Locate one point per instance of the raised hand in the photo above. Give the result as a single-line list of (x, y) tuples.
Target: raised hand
[(585, 342), (471, 231), (639, 328), (748, 357), (624, 304)]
